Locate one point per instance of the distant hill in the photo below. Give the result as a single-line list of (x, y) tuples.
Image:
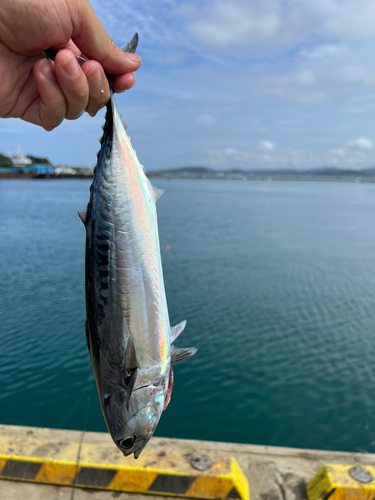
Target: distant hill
[(5, 161), (39, 161), (321, 173)]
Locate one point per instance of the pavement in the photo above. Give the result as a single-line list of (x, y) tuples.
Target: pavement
[(274, 473)]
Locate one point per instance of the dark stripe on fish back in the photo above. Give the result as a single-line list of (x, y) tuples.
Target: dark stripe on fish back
[(106, 140)]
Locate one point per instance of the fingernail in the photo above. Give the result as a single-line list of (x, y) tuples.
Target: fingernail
[(92, 114), (134, 57), (71, 67), (95, 76), (127, 88)]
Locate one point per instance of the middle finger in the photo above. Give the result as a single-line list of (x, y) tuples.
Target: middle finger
[(72, 82), (98, 86)]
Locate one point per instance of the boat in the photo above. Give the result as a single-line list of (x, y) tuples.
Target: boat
[(22, 167)]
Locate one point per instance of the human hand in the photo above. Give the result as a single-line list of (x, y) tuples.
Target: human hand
[(44, 93)]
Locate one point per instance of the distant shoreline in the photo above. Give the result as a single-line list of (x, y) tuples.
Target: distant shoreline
[(317, 175), (203, 173)]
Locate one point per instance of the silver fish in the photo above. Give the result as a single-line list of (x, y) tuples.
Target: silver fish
[(127, 329)]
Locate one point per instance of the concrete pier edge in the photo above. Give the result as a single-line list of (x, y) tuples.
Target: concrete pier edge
[(273, 473)]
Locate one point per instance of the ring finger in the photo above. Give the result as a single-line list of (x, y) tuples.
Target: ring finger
[(98, 86)]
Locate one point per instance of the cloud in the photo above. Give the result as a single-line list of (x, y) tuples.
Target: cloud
[(361, 143), (218, 76), (322, 51), (337, 152), (347, 19), (353, 73), (266, 146), (222, 23), (356, 147), (279, 24), (353, 154), (264, 157)]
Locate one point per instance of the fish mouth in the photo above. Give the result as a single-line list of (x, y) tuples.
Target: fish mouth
[(141, 387), (141, 447), (148, 386)]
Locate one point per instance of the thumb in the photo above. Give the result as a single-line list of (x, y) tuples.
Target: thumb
[(91, 38)]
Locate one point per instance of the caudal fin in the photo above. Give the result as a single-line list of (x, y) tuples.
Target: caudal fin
[(132, 45)]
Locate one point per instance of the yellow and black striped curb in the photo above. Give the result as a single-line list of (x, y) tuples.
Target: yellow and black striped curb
[(103, 467), (342, 482)]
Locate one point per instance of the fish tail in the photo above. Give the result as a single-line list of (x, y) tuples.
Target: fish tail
[(129, 47)]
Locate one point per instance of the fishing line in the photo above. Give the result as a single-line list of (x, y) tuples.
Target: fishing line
[(75, 406), (87, 389)]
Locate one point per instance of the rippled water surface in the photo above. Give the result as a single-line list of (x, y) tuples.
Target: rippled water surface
[(276, 279)]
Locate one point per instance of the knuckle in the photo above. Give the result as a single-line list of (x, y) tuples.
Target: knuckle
[(97, 101), (112, 46), (81, 94), (75, 116), (51, 121)]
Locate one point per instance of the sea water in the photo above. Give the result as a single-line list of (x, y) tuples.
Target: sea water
[(276, 280)]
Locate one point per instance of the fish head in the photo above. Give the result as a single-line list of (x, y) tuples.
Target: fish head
[(132, 424)]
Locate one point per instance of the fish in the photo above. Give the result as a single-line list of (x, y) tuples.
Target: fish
[(128, 333)]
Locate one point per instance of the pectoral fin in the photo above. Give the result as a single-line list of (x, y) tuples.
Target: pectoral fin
[(132, 366), (183, 353), (130, 382), (131, 361)]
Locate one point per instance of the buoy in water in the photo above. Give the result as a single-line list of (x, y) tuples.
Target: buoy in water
[(168, 247)]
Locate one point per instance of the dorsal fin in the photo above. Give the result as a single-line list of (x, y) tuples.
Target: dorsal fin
[(177, 330), (183, 353)]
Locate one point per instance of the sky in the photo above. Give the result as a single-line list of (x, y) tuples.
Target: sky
[(233, 84)]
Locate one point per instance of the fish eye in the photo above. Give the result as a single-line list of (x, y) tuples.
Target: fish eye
[(127, 442)]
